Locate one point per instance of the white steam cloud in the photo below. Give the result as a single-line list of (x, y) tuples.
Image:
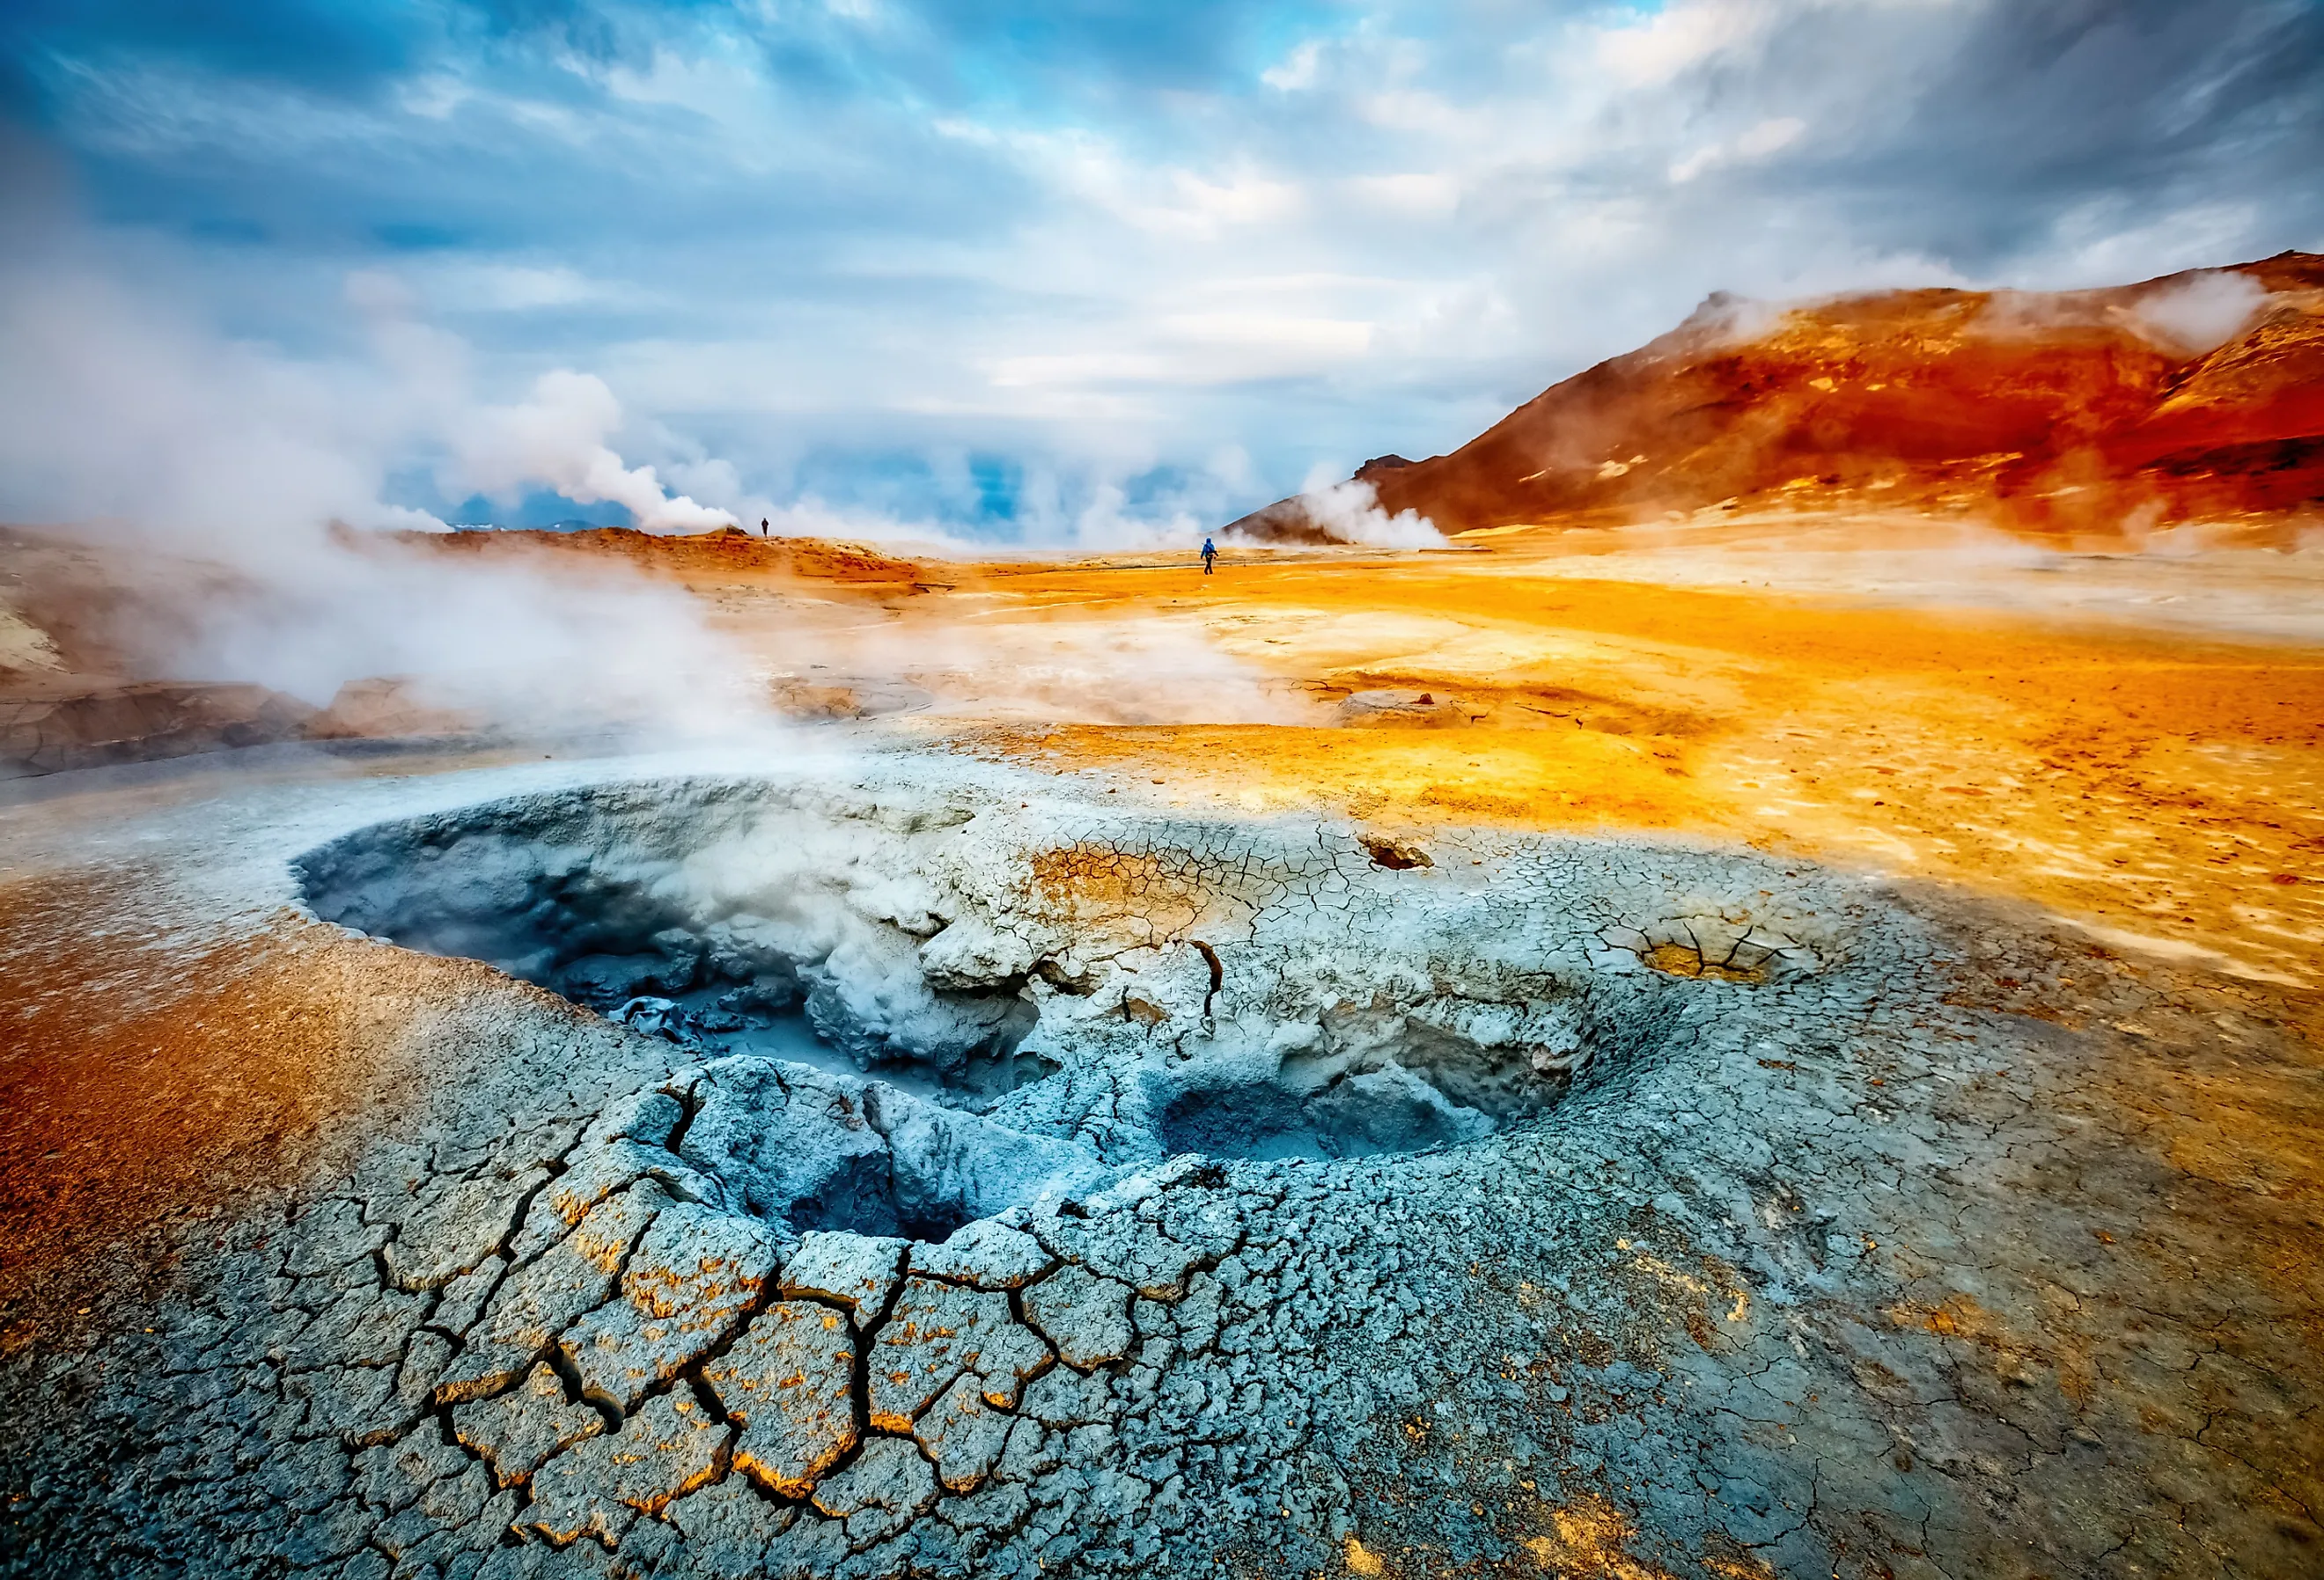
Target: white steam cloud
[(2201, 312), (1160, 670), (557, 438), (216, 478), (1349, 512)]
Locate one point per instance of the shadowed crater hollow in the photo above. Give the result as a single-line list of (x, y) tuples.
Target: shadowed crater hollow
[(721, 921)]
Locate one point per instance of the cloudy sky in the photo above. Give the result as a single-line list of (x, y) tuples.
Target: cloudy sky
[(1055, 269)]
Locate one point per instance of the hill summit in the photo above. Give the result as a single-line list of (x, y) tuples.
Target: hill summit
[(2197, 394)]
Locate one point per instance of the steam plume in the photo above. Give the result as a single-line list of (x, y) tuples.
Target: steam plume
[(559, 438), (171, 447)]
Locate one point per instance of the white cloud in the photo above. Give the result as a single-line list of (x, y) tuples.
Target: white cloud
[(1297, 69), (1654, 48), (1425, 194), (1770, 136), (930, 239), (1302, 337), (2113, 240), (435, 96), (508, 288)]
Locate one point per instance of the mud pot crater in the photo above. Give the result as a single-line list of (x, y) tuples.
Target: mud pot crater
[(979, 1125), (931, 1014)]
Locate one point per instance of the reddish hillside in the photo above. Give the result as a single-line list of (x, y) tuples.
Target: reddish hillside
[(727, 552), (2197, 394)]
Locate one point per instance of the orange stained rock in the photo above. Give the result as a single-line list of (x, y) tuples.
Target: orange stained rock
[(1090, 883), (791, 1391), (1679, 960), (1587, 1537), (730, 554)]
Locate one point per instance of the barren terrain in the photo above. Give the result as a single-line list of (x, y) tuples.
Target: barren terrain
[(1695, 1030), (2129, 739), (1932, 954)]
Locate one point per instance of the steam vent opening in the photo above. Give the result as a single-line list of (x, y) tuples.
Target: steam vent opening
[(879, 1048)]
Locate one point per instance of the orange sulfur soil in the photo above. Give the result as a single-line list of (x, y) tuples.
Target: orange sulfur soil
[(2156, 782), (2158, 786), (147, 1081)]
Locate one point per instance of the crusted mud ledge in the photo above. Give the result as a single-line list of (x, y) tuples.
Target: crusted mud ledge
[(1185, 1196)]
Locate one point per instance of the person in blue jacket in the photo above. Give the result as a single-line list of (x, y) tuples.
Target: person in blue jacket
[(1210, 553)]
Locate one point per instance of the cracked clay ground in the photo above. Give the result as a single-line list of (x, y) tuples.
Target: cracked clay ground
[(1716, 1213)]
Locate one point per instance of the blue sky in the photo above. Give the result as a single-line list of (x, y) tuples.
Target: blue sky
[(1086, 270)]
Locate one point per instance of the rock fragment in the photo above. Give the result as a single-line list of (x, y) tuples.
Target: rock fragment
[(1085, 1314), (394, 1476), (453, 1229), (887, 1488), (364, 1326), (1066, 1399), (728, 1527), (334, 1239), (687, 1288), (539, 1302), (600, 1487), (984, 1255), (355, 1403), (462, 1300), (854, 1270), (448, 1516), (788, 1382), (1394, 709), (517, 1432), (936, 1333), (1146, 1235), (963, 1434), (629, 1144)]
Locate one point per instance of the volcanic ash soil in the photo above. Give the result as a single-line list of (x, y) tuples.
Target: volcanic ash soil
[(931, 1172)]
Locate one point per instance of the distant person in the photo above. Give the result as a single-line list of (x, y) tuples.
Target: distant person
[(1210, 555), (763, 526)]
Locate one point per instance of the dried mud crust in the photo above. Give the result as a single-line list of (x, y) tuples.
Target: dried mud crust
[(1849, 1236)]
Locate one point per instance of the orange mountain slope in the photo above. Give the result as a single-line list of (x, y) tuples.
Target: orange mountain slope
[(2198, 395)]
